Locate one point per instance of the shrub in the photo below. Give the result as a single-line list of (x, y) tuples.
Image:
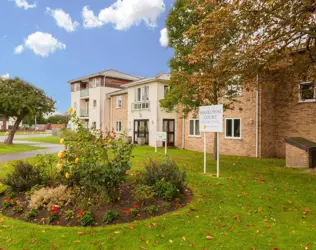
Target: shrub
[(110, 216), (166, 205), (47, 166), (97, 161), (18, 209), (69, 214), (86, 219), (165, 190), (8, 202), (166, 170), (151, 209), (142, 193), (60, 195), (31, 214), (23, 177), (68, 135)]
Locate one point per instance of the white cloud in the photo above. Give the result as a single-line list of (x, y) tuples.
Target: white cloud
[(19, 49), (42, 44), (89, 19), (24, 4), (63, 19), (124, 14), (5, 76), (164, 38)]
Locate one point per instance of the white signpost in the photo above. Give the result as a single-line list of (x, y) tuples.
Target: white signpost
[(161, 136), (211, 120)]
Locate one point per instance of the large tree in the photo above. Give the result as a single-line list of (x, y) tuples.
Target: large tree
[(19, 99)]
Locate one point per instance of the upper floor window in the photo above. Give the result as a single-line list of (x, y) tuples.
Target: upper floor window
[(194, 127), (118, 126), (94, 103), (307, 91), (142, 94), (119, 101), (233, 128), (95, 82)]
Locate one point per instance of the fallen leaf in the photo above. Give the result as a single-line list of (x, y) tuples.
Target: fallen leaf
[(209, 237), (80, 233), (131, 227), (184, 239)]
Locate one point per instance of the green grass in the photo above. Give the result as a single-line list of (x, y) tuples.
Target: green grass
[(10, 149), (47, 139), (256, 203), (24, 133)]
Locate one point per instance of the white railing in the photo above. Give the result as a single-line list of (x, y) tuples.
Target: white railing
[(84, 93)]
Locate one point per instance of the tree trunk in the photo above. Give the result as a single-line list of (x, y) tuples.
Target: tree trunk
[(15, 127), (215, 147)]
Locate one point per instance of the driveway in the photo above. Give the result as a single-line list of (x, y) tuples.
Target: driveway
[(48, 149)]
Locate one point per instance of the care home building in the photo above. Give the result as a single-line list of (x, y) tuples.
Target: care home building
[(257, 126)]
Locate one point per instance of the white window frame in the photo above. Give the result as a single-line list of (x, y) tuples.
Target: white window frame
[(95, 81), (116, 126), (233, 137), (119, 101), (194, 128), (300, 94), (142, 94), (94, 101)]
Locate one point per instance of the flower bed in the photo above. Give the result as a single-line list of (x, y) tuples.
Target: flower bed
[(90, 183)]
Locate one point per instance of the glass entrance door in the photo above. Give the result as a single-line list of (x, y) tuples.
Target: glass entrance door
[(169, 127), (141, 130)]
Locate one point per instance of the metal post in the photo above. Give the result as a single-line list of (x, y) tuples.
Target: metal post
[(217, 155), (204, 152), (166, 146)]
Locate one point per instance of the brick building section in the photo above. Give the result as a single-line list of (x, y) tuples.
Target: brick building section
[(296, 157), (119, 114)]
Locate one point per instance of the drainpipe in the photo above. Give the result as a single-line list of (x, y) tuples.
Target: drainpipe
[(183, 130), (257, 118)]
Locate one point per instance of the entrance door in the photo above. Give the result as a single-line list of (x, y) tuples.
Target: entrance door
[(141, 130), (169, 127)]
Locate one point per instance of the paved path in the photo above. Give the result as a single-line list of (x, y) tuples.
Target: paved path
[(49, 149)]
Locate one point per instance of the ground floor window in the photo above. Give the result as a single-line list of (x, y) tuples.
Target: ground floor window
[(118, 126), (233, 128), (307, 91), (194, 127)]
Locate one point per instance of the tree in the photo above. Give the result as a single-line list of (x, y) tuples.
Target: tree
[(57, 119), (20, 99), (202, 69)]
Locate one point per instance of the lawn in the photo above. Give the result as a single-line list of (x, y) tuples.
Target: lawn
[(46, 139), (9, 149), (255, 204)]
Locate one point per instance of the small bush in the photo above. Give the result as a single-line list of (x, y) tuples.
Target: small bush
[(8, 202), (69, 214), (110, 216), (86, 219), (31, 214), (68, 135), (166, 205), (165, 190), (18, 209), (23, 177), (60, 195), (142, 193), (166, 170), (151, 209), (47, 167)]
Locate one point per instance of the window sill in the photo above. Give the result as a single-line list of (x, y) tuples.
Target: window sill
[(194, 136), (233, 138), (118, 107), (307, 101)]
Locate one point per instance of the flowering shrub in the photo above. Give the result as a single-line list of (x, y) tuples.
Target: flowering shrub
[(132, 211), (53, 213), (97, 161)]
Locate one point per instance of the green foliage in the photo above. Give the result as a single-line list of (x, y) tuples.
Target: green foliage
[(31, 214), (151, 209), (166, 205), (110, 216), (8, 202), (165, 190), (23, 177), (52, 217), (68, 134), (18, 209), (57, 119), (69, 214), (166, 170), (142, 193), (47, 166), (97, 161), (86, 219)]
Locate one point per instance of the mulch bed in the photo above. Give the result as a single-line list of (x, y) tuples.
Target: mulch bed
[(126, 202)]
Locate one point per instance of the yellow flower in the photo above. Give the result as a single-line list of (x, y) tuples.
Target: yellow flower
[(62, 141), (77, 160), (70, 110), (61, 154), (59, 166), (67, 175), (109, 141)]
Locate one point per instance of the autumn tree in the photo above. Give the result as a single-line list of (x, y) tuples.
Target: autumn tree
[(19, 100)]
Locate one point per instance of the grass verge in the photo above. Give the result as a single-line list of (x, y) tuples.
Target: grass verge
[(15, 148)]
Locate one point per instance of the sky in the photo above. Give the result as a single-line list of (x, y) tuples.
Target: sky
[(48, 42)]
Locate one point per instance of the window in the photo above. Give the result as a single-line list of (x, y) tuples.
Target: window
[(94, 103), (307, 91), (119, 101), (142, 94), (233, 91), (233, 128), (118, 126), (194, 127), (95, 82)]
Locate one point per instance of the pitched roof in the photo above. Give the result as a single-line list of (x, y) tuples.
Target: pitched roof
[(118, 92), (161, 77), (108, 73)]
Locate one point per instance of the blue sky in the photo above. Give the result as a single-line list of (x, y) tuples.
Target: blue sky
[(113, 37)]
